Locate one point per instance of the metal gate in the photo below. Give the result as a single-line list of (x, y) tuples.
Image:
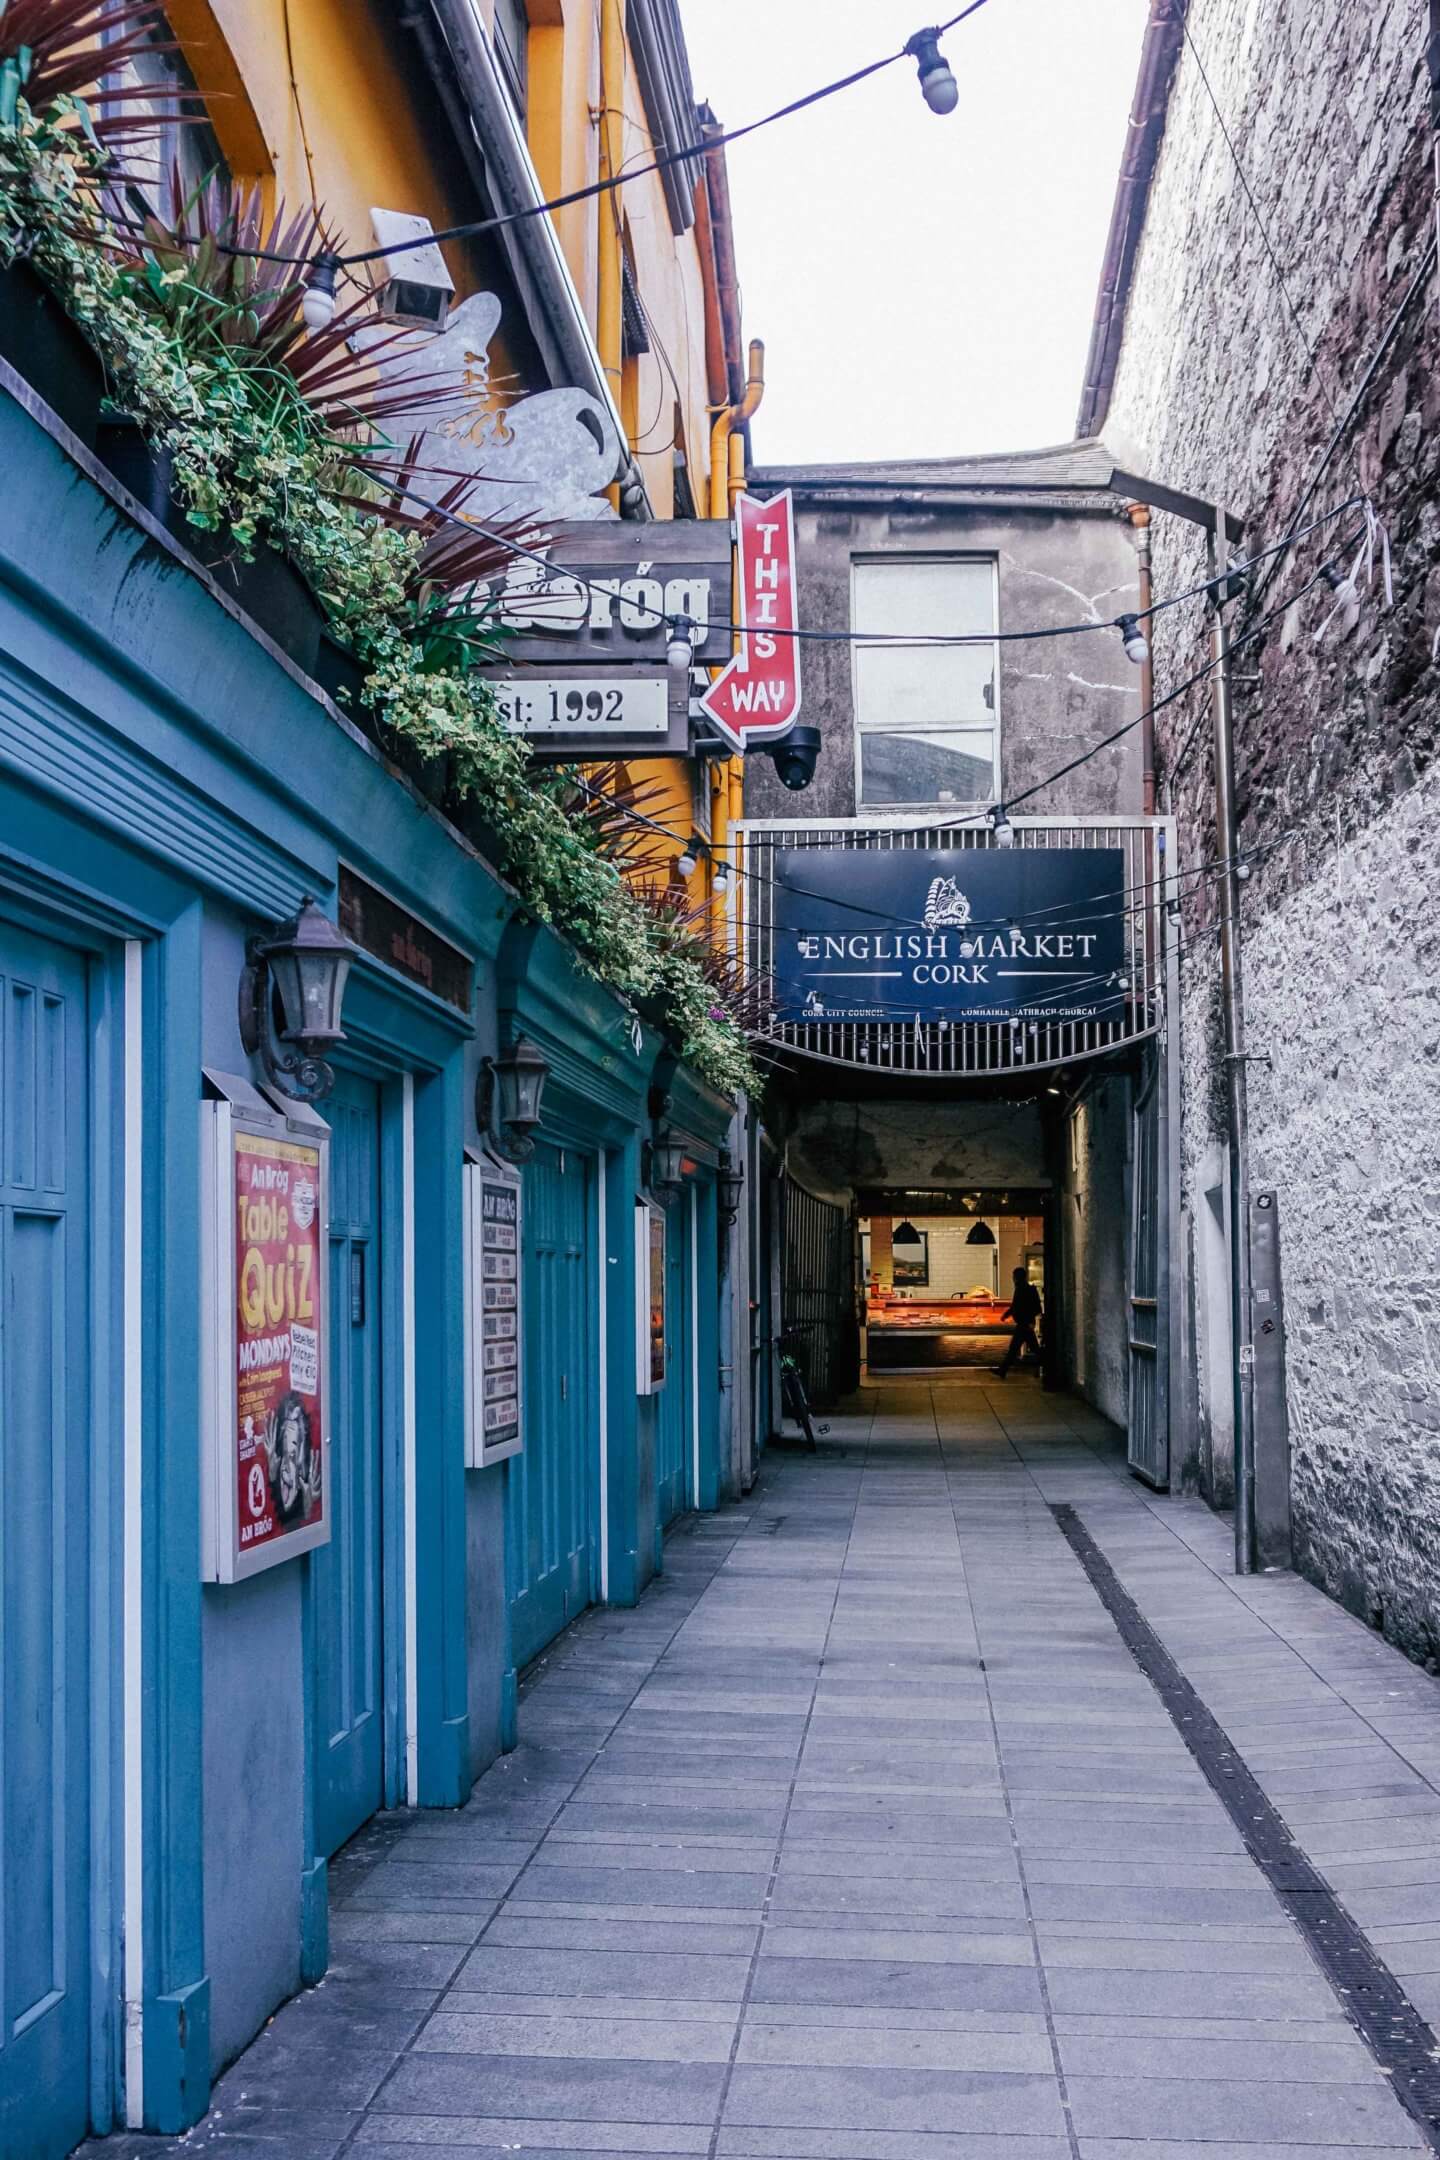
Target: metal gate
[(1149, 1418), (817, 1286)]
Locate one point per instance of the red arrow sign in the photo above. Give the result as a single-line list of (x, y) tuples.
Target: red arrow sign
[(758, 695)]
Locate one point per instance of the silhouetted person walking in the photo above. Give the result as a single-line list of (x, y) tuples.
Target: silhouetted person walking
[(1022, 1312)]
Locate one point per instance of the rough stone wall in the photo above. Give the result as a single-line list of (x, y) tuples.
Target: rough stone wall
[(1054, 567), (1335, 741)]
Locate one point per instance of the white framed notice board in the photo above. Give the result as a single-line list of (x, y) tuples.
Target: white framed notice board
[(494, 1311)]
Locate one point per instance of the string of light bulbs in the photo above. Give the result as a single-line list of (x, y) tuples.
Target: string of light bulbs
[(937, 84), (681, 628)]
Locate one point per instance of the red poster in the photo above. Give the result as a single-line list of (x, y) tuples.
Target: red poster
[(278, 1261)]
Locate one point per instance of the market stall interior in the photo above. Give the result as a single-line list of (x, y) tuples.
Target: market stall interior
[(936, 1285)]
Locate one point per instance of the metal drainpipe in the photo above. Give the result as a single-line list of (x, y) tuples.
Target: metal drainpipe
[(1140, 519), (1232, 991), (608, 330)]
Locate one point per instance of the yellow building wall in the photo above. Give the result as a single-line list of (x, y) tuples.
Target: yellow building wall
[(316, 99)]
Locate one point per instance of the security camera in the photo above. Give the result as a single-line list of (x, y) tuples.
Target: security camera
[(418, 288), (795, 757)]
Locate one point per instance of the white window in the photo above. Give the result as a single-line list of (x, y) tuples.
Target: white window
[(926, 716), (168, 162)]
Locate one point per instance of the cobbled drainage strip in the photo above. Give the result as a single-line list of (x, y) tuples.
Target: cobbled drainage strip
[(1403, 2045)]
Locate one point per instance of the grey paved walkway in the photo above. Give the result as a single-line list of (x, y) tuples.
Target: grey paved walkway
[(863, 1838)]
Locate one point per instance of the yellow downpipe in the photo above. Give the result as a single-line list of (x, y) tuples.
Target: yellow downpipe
[(607, 252)]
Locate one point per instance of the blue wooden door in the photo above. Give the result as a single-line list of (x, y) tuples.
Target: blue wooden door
[(349, 1721), (552, 1496), (673, 1435), (44, 1549)]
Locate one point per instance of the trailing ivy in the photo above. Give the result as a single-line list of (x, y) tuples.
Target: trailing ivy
[(253, 457)]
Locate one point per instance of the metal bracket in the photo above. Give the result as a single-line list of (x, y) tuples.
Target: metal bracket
[(1249, 1057)]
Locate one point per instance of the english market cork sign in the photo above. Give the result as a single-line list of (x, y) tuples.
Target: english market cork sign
[(983, 934)]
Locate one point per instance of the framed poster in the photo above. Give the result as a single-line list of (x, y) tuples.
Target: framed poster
[(910, 1264), (650, 1316), (265, 1461), (494, 1312)]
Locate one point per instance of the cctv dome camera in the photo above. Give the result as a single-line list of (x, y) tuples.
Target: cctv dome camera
[(795, 757)]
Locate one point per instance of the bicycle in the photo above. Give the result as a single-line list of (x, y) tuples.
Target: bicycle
[(793, 1392)]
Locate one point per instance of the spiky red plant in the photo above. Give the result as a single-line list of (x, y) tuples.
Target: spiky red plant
[(76, 48)]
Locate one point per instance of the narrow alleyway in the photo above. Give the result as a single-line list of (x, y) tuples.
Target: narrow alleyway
[(865, 1838)]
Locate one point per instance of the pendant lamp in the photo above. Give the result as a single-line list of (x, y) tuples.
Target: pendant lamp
[(905, 1234), (982, 1234)]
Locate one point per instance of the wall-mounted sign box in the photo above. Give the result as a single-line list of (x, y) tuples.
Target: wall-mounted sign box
[(959, 934), (494, 1312), (604, 593), (651, 1349), (614, 711), (587, 631), (380, 926), (265, 1403)]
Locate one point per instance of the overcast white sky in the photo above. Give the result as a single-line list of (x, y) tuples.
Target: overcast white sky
[(924, 286)]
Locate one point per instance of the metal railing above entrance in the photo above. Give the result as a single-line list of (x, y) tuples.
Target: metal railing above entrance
[(989, 1049)]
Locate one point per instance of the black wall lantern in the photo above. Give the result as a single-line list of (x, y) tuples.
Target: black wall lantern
[(508, 1094), (292, 989), (667, 1162), (730, 1188)]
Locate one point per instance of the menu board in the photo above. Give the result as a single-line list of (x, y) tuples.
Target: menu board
[(278, 1405), (651, 1347), (496, 1389), (264, 1460)]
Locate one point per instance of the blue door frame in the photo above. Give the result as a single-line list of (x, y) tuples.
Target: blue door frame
[(553, 1495), (346, 1576), (45, 1572), (675, 1430)]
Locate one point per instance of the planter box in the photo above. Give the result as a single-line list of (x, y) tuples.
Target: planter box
[(267, 587), (39, 340)]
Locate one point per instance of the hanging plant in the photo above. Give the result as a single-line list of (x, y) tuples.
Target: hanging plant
[(277, 434)]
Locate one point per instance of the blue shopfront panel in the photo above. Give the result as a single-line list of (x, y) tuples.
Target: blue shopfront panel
[(553, 1495), (674, 1436), (44, 1551)]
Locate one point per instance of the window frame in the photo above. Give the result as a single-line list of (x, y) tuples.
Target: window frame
[(906, 558), (514, 65)]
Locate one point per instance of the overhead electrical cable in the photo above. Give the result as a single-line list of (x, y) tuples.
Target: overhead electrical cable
[(920, 48), (661, 619)]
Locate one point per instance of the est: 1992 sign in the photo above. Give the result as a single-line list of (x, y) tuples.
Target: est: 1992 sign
[(584, 705)]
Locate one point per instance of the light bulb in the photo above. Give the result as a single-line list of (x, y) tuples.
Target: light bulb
[(679, 651), (938, 86), (687, 861), (318, 305), (722, 877), (1001, 827), (1137, 645), (1346, 610)]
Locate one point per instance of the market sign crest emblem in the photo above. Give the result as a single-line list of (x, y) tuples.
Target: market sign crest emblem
[(946, 907)]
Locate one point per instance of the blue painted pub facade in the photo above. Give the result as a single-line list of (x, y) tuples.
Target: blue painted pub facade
[(181, 1760)]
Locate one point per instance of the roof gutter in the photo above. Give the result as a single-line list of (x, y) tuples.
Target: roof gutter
[(1164, 38), (514, 184)]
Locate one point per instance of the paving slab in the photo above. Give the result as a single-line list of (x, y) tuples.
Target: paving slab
[(864, 1837)]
